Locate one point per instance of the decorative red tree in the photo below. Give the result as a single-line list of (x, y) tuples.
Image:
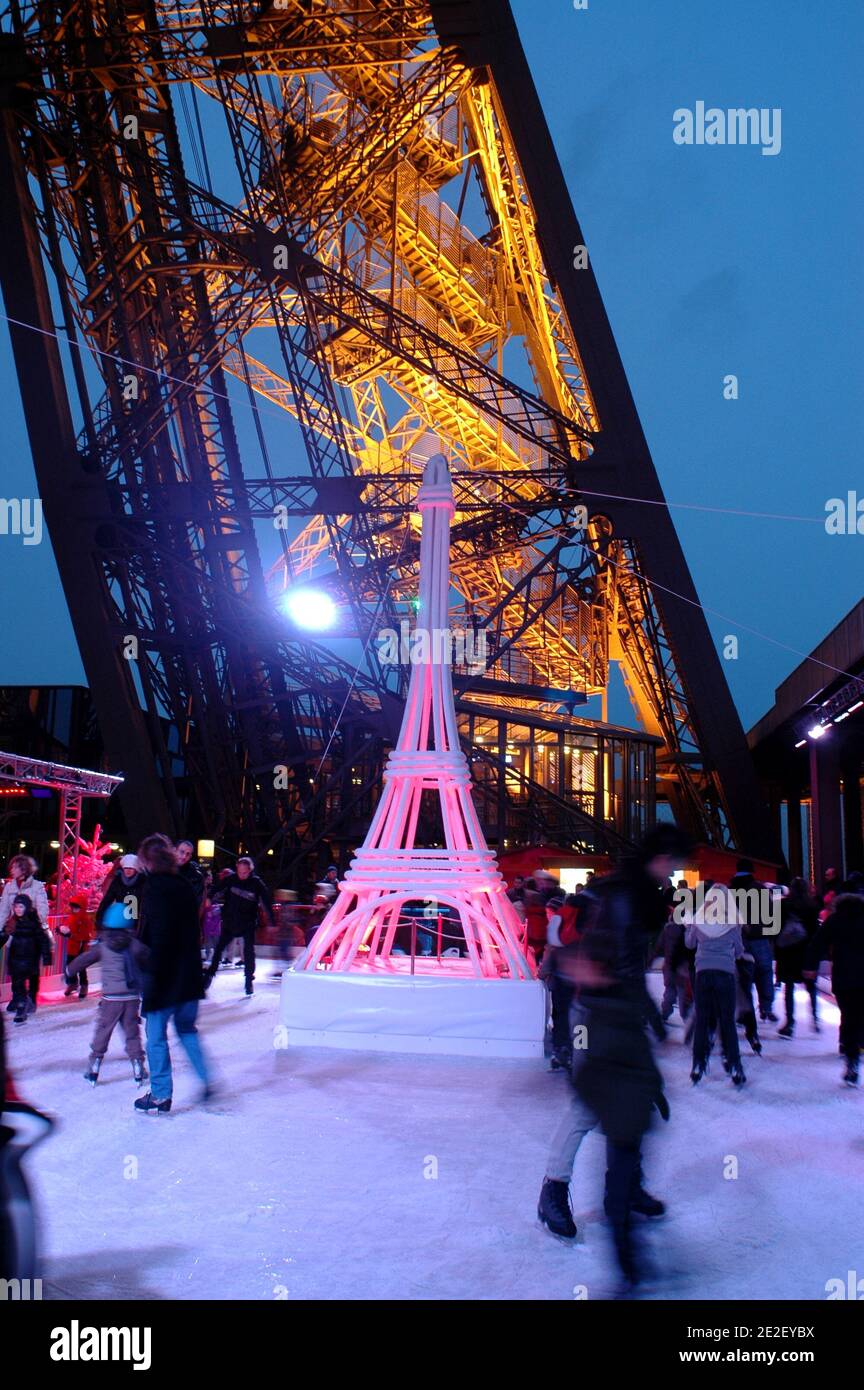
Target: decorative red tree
[(94, 865)]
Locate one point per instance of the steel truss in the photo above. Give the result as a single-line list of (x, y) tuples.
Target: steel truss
[(375, 228)]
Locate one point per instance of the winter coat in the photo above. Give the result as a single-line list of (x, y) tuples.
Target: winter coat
[(535, 918), (715, 952), (110, 952), (118, 890), (792, 960), (78, 931), (615, 1075), (241, 898), (840, 939), (35, 892), (29, 943), (746, 883), (193, 874), (168, 925)]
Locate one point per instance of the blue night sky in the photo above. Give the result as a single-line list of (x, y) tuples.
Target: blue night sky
[(711, 260)]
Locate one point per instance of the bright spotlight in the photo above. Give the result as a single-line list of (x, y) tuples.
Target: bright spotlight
[(818, 731), (312, 609)]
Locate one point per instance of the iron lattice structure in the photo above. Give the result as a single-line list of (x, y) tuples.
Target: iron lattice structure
[(349, 212)]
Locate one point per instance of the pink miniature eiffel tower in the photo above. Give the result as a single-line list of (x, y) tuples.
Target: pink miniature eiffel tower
[(390, 869)]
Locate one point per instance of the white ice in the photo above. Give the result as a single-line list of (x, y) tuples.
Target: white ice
[(312, 1178)]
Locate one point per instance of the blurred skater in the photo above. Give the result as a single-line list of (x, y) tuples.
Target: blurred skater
[(174, 979), (799, 916), (840, 939), (615, 1076)]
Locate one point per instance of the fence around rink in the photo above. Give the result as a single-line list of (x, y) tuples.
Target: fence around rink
[(296, 924)]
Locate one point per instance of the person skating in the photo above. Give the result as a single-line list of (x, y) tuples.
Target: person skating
[(123, 959), (615, 1078), (840, 939), (799, 915), (29, 949), (715, 934), (676, 972), (243, 896), (173, 980), (78, 932), (756, 939)]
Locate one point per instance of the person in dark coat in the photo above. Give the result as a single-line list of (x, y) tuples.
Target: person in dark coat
[(615, 1076), (174, 979), (192, 872), (840, 939), (758, 943), (124, 886), (799, 919), (243, 896), (29, 949)]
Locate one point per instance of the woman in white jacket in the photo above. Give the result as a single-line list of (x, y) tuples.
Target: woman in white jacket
[(22, 879), (714, 932)]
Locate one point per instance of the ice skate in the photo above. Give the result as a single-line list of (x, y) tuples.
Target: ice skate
[(149, 1106), (553, 1209), (92, 1072), (139, 1075)]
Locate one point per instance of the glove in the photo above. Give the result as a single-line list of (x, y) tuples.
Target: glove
[(662, 1105)]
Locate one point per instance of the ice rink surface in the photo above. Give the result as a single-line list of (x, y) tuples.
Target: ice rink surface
[(347, 1175)]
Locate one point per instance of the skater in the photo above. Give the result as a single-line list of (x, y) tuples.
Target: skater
[(840, 939), (22, 879), (745, 969), (760, 945), (211, 922), (715, 933), (79, 933), (799, 920), (124, 887), (123, 959), (29, 949), (676, 972), (614, 1075), (242, 895), (173, 982)]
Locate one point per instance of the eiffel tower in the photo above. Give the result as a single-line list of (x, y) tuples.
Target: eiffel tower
[(390, 869), (348, 217)]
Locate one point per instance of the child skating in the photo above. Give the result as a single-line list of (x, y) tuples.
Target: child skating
[(122, 957)]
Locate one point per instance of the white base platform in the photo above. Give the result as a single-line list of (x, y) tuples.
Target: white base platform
[(419, 1013)]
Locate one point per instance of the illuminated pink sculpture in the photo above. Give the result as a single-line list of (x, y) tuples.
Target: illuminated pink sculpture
[(389, 870)]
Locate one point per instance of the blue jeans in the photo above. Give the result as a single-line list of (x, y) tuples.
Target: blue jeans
[(762, 951), (158, 1053)]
